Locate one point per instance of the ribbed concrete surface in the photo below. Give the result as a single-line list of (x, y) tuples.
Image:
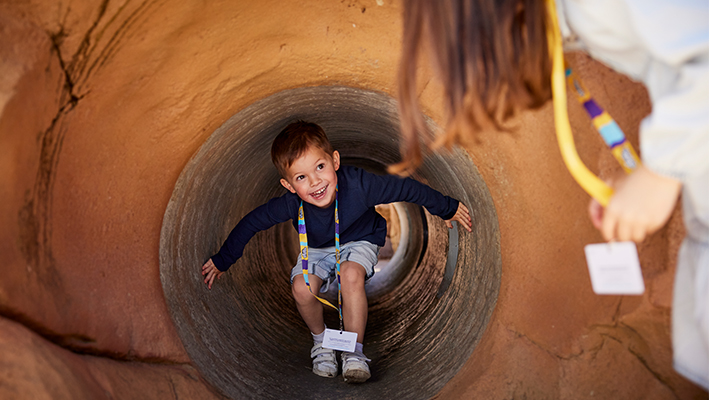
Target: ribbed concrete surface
[(246, 336)]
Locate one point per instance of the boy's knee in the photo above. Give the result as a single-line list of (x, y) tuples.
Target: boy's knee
[(352, 274), (300, 291)]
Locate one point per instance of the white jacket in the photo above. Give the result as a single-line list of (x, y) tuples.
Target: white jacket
[(664, 44)]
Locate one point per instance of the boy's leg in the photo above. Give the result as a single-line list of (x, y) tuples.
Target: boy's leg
[(309, 307), (352, 281), (324, 362)]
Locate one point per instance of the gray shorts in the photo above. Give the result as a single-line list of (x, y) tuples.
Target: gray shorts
[(321, 262)]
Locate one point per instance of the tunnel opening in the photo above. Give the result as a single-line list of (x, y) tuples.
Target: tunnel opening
[(427, 309)]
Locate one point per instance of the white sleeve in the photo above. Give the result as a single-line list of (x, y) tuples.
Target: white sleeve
[(674, 137)]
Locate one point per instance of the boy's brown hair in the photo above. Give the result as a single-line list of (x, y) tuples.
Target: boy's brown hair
[(294, 140), (491, 55)]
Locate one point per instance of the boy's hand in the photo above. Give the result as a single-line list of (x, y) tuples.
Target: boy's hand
[(210, 271), (462, 217), (641, 204)]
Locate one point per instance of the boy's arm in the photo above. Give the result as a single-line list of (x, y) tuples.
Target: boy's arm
[(261, 218), (381, 189)]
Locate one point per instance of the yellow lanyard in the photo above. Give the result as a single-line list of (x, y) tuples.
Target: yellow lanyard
[(586, 179), (303, 238)]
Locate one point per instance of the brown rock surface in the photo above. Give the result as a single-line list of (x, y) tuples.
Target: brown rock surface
[(104, 103), (33, 368)]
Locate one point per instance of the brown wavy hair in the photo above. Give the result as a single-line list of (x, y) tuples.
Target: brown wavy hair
[(491, 56), (294, 140)]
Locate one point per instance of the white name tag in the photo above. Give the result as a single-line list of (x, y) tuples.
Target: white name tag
[(339, 340), (614, 268)]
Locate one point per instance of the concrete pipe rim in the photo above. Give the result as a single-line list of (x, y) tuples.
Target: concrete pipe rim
[(245, 335)]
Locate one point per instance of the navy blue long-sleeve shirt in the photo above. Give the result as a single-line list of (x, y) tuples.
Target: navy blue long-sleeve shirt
[(358, 194)]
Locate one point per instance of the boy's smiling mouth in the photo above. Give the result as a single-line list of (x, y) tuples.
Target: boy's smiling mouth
[(319, 193)]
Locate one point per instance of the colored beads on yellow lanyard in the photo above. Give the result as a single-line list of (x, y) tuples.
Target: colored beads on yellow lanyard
[(303, 238), (606, 126)]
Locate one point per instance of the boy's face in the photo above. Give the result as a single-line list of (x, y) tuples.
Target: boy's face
[(312, 177)]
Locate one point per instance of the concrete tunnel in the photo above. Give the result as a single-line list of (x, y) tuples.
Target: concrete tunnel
[(133, 136), (435, 297)]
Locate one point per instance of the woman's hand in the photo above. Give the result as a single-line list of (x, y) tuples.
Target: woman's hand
[(642, 203), (462, 217)]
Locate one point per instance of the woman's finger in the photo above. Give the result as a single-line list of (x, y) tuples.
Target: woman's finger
[(623, 230), (596, 213), (638, 233), (609, 223)]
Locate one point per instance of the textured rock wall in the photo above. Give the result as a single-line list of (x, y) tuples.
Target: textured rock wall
[(103, 103)]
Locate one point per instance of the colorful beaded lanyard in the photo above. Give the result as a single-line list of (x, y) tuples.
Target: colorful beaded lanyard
[(606, 126), (303, 238)]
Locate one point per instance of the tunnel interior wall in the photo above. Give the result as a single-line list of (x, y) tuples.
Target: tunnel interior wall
[(417, 337)]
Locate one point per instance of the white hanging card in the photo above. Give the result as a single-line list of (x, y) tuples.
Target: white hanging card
[(614, 268), (339, 340)]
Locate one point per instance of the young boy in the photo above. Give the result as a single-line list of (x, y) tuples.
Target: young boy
[(316, 181)]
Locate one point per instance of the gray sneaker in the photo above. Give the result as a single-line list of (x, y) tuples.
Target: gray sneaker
[(324, 362), (355, 368)]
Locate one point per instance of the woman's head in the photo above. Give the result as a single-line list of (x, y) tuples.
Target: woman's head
[(491, 56)]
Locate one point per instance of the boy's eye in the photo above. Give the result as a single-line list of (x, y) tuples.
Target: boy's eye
[(321, 166), (300, 177)]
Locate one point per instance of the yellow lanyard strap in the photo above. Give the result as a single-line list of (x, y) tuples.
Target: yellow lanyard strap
[(586, 179), (303, 238)]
